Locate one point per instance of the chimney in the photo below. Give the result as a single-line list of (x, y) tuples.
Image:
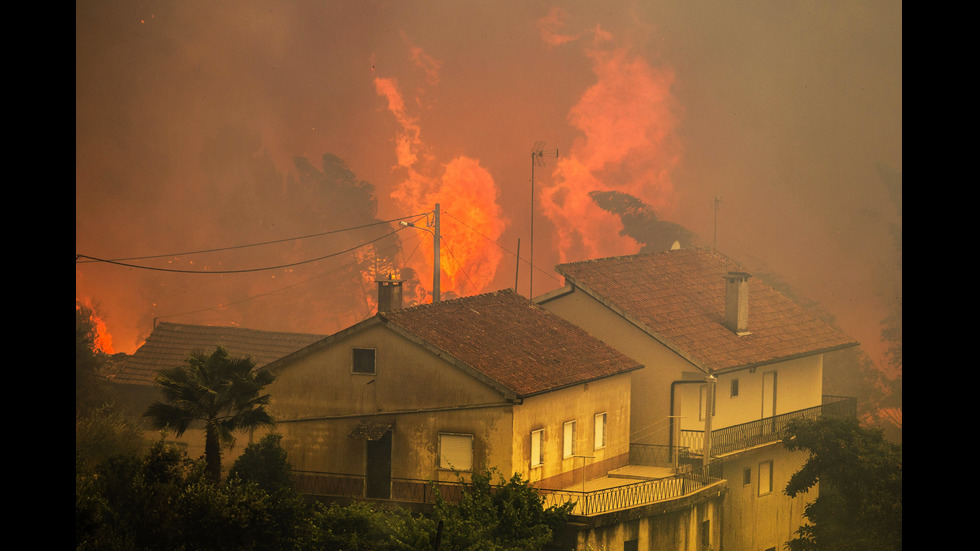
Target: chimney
[(389, 294), (737, 302)]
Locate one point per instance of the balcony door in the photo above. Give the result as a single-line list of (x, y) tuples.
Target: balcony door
[(768, 394)]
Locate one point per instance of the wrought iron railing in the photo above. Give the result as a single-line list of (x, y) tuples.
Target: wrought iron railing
[(318, 483), (631, 495), (767, 430)]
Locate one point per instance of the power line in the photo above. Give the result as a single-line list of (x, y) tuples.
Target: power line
[(92, 259), (247, 270), (505, 249)]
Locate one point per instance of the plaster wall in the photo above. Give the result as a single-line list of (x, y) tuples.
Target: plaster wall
[(580, 403), (798, 386), (754, 521), (650, 403)]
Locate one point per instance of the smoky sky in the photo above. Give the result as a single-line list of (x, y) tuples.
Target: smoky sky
[(209, 125)]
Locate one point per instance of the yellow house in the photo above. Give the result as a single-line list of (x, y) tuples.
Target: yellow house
[(439, 391), (728, 361)]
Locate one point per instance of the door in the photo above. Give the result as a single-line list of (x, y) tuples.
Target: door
[(768, 394), (378, 483)]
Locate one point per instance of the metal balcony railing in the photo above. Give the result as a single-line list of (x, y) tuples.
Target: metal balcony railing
[(631, 495), (767, 430)]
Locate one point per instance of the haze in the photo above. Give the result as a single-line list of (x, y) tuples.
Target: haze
[(217, 124)]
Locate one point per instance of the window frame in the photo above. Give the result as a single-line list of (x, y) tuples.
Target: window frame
[(596, 434), (768, 479), (568, 442), (540, 455), (734, 390), (442, 455), (354, 362)]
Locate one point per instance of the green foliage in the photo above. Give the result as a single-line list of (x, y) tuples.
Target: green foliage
[(223, 392), (104, 432), (860, 476), (264, 463), (163, 500), (507, 515)]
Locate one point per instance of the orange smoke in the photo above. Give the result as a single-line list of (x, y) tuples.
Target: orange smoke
[(466, 192), (628, 120), (102, 338)]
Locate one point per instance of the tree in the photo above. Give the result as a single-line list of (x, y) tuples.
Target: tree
[(508, 514), (860, 476), (222, 392), (264, 463)]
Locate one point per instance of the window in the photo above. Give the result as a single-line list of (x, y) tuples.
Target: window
[(747, 476), (705, 534), (734, 388), (765, 477), (600, 430), (537, 438), (363, 360), (456, 452), (568, 442)]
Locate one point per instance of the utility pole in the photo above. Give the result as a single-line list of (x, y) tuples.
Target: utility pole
[(537, 158), (436, 266)]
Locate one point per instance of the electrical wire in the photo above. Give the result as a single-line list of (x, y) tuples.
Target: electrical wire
[(505, 249), (242, 271), (417, 216)]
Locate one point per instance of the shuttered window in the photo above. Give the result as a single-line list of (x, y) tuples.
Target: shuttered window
[(568, 440), (456, 452), (537, 437), (363, 360)]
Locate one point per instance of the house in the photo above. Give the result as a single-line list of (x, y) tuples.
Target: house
[(170, 344), (438, 391), (728, 361)]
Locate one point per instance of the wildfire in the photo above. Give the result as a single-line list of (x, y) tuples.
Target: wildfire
[(102, 338), (629, 144), (465, 190)]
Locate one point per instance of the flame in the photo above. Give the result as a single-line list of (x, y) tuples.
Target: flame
[(628, 120), (465, 191), (102, 338)]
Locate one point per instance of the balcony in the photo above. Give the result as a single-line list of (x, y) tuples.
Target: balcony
[(654, 475), (763, 431)]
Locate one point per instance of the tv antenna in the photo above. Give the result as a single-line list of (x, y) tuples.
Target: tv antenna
[(538, 154), (714, 245)]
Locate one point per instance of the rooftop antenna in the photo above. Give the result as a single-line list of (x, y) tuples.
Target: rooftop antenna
[(714, 244), (537, 158)]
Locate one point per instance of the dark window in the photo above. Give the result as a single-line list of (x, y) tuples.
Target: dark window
[(734, 388), (705, 533), (747, 476), (364, 360), (632, 545)]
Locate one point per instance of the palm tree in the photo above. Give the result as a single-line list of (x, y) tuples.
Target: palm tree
[(225, 393)]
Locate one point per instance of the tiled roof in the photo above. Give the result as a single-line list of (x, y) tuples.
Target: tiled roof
[(679, 297), (514, 342), (171, 343)]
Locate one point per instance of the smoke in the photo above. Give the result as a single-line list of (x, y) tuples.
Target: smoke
[(202, 126), (628, 143)]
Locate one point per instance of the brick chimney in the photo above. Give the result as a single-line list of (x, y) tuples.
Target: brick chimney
[(737, 302), (389, 294)]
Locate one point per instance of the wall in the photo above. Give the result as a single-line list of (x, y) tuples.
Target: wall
[(580, 403), (318, 401), (754, 521), (650, 406)]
